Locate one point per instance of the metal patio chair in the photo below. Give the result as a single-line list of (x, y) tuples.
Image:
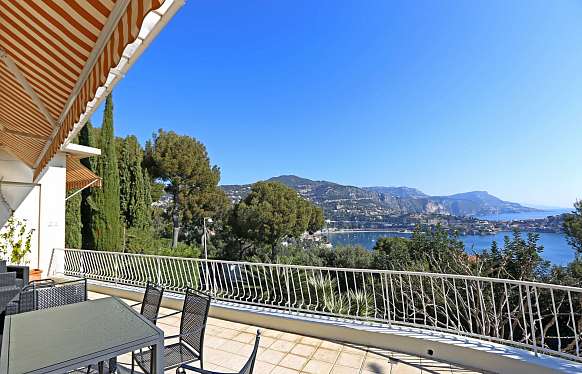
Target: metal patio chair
[(8, 287), (47, 294), (152, 300), (189, 347), (246, 369)]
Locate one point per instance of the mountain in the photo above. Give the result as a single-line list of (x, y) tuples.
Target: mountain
[(351, 203), (401, 192)]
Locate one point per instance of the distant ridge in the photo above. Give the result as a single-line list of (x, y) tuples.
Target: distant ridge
[(342, 202)]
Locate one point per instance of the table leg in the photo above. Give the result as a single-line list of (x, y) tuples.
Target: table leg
[(157, 363)]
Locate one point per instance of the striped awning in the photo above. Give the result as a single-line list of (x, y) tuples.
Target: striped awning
[(58, 59), (78, 176)]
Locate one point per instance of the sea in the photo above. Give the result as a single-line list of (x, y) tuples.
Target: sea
[(556, 248)]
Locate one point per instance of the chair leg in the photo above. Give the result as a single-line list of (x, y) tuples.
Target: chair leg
[(132, 363)]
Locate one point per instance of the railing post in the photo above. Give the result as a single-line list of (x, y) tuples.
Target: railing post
[(531, 320), (116, 269), (206, 276), (288, 290), (158, 270), (82, 265)]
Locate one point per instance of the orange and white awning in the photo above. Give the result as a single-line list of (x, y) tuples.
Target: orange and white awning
[(59, 59), (78, 176)]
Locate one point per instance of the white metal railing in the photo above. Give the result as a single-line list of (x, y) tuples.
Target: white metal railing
[(544, 318)]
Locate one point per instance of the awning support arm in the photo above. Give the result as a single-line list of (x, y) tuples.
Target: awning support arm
[(76, 192)]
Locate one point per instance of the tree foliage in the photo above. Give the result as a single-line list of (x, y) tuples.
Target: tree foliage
[(134, 189), (88, 137), (272, 212), (573, 228), (182, 164), (106, 225), (73, 224), (520, 258)]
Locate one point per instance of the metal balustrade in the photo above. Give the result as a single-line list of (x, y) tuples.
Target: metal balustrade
[(544, 318)]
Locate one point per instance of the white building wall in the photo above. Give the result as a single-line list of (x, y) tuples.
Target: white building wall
[(50, 192), (53, 183)]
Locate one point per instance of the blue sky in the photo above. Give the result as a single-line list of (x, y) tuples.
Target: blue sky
[(445, 96)]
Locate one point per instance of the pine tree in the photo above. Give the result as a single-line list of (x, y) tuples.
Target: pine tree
[(73, 225), (135, 199), (87, 137), (106, 215)]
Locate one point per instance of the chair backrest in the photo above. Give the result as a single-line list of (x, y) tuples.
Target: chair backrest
[(3, 267), (152, 299), (7, 279), (194, 316), (61, 294), (250, 365), (27, 300)]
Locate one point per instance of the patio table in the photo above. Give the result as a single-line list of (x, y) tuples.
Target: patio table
[(61, 339)]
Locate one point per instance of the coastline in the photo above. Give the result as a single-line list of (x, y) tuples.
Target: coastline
[(350, 231)]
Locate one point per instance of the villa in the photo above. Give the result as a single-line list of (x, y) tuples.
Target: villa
[(58, 61)]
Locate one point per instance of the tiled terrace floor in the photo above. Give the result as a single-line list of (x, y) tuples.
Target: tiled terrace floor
[(227, 346)]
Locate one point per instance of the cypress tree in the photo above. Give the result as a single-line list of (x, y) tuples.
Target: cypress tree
[(73, 225), (87, 137), (106, 218), (135, 199)]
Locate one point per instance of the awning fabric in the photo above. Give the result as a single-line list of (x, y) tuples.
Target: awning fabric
[(54, 58), (78, 176)]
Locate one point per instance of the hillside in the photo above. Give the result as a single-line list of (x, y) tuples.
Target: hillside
[(350, 203)]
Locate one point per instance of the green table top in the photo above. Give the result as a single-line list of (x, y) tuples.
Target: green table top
[(47, 337)]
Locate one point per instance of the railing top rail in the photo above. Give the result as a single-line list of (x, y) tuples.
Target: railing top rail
[(375, 271)]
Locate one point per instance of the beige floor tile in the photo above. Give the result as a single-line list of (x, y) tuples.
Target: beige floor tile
[(400, 368), (235, 347), (214, 342), (379, 371), (317, 367), (245, 338), (303, 350), (271, 333), (290, 337), (373, 362), (330, 345), (263, 367), (253, 330), (327, 355), (338, 369), (310, 341), (283, 370), (350, 359), (266, 342), (406, 359), (219, 369), (293, 362), (234, 362), (377, 367), (214, 356), (228, 333), (212, 330), (270, 356), (282, 346)]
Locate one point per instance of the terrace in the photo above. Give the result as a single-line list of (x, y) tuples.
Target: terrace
[(401, 320), (227, 346)]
